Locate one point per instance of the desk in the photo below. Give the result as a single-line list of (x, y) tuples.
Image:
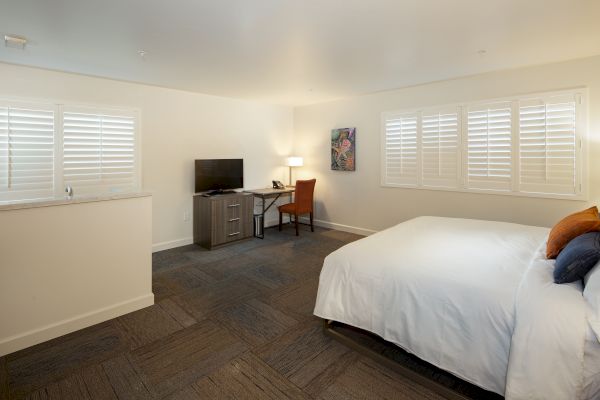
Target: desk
[(264, 194)]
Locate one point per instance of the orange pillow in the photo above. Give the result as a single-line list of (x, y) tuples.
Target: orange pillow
[(569, 228)]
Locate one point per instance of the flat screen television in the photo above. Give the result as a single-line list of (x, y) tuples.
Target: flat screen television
[(219, 175)]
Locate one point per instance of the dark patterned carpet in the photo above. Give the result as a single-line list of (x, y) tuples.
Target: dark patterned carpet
[(233, 323)]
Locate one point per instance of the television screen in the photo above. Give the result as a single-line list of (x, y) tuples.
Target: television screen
[(219, 174)]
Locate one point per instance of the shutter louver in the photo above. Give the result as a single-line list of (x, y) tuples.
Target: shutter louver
[(26, 153), (489, 152), (400, 148), (3, 149), (547, 145), (99, 152), (439, 148)]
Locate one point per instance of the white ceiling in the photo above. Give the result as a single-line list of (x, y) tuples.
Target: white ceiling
[(296, 51)]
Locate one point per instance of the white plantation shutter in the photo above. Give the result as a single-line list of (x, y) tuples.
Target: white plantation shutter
[(548, 145), (3, 150), (99, 151), (489, 147), (440, 148), (400, 162), (531, 146), (27, 151)]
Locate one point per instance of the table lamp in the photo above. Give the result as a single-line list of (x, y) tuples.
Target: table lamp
[(293, 162)]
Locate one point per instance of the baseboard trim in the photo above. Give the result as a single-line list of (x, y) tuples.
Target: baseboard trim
[(36, 336), (271, 222), (171, 244), (340, 227)]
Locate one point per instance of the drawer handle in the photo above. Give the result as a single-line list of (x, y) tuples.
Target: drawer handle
[(234, 205), (233, 234), (234, 219)]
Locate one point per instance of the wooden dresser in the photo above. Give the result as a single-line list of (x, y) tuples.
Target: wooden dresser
[(222, 219)]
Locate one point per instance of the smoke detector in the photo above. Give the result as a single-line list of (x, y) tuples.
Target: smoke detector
[(16, 42)]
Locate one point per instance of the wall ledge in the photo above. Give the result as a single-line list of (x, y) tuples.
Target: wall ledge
[(61, 201)]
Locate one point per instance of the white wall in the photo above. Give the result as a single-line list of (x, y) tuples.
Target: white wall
[(177, 127), (70, 266), (356, 199)]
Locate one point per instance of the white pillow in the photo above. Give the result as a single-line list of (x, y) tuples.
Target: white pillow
[(591, 292), (589, 274)]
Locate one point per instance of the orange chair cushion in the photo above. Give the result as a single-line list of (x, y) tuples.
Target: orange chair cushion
[(289, 208), (569, 228)]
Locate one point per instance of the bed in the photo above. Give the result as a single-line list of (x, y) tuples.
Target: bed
[(475, 298)]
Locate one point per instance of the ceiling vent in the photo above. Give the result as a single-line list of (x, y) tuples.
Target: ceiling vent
[(16, 42)]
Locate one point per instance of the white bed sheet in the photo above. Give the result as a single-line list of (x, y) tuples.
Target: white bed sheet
[(547, 346), (591, 362), (435, 287)]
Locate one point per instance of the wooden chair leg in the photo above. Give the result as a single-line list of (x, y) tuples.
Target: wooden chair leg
[(280, 220), (296, 221), (312, 228)]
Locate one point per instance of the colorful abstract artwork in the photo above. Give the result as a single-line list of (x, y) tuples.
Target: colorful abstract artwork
[(343, 142)]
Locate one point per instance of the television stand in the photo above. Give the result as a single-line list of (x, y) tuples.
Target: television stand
[(219, 192), (221, 220)]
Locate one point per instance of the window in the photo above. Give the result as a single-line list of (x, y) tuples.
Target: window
[(400, 159), (548, 145), (489, 147), (439, 148), (44, 147), (530, 146), (27, 151), (99, 151)]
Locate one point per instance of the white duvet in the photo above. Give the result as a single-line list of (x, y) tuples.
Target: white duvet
[(472, 297)]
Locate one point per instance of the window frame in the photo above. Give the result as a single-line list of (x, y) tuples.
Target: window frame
[(581, 145), (59, 106)]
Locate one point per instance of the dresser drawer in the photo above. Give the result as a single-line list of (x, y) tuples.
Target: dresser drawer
[(225, 219), (233, 229), (233, 206)]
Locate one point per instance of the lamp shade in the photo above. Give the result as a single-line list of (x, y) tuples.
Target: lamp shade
[(294, 161)]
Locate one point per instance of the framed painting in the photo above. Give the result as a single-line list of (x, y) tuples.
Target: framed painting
[(343, 149)]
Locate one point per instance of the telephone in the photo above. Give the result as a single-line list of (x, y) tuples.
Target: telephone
[(278, 185)]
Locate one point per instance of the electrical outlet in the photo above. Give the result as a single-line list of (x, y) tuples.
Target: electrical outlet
[(186, 216)]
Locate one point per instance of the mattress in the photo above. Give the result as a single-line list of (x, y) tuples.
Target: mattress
[(475, 298), (591, 362)]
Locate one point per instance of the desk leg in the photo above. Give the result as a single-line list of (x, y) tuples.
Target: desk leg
[(291, 201), (264, 210), (262, 220)]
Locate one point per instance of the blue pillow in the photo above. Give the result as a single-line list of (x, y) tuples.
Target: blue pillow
[(577, 258)]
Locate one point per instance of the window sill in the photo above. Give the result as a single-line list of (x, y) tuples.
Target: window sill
[(576, 197), (59, 201)]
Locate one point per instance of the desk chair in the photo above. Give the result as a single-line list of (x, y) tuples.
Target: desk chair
[(303, 203)]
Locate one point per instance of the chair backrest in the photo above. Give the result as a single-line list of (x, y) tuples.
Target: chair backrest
[(304, 195)]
